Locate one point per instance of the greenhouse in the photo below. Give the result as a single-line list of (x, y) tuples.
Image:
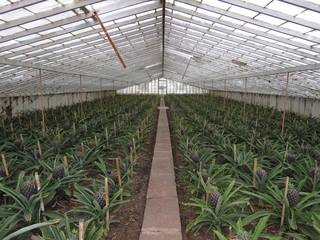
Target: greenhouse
[(160, 119)]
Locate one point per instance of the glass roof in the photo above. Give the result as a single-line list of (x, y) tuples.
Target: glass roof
[(219, 42)]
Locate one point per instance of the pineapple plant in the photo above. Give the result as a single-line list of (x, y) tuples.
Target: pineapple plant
[(92, 145), (293, 196), (129, 145), (214, 197), (315, 171), (36, 154), (17, 143), (79, 156), (291, 158), (262, 174), (190, 145), (28, 189), (58, 172), (195, 157), (56, 144), (100, 197), (204, 176), (2, 172), (114, 177)]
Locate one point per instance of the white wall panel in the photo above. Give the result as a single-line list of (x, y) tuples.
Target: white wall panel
[(12, 106), (302, 106)]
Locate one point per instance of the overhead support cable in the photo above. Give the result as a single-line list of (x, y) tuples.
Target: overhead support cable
[(109, 38), (185, 71), (149, 74)]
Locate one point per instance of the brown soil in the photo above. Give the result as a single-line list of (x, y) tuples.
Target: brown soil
[(131, 214)]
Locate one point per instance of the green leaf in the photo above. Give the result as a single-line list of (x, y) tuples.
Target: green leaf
[(259, 228), (29, 228), (220, 236)]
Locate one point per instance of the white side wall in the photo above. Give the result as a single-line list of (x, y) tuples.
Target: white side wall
[(12, 106), (302, 106)]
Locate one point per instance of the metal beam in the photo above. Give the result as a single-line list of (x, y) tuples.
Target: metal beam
[(266, 73), (240, 27), (47, 13), (283, 49), (37, 66), (85, 34), (252, 20), (273, 13), (17, 5), (304, 4), (242, 44), (111, 16)]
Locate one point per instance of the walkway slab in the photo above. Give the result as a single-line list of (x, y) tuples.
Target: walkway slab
[(162, 165), (162, 185), (161, 214), (161, 217), (161, 236)]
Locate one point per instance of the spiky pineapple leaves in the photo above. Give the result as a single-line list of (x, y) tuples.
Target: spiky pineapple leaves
[(256, 235), (68, 229), (16, 234), (91, 207), (223, 214)]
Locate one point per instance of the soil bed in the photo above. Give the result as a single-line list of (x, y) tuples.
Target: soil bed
[(131, 214)]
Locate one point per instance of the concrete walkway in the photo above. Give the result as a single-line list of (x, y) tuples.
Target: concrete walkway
[(161, 216)]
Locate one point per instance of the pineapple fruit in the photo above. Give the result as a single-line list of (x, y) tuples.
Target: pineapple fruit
[(114, 177), (190, 145), (92, 145), (17, 143), (58, 172), (28, 189), (100, 197), (293, 197), (195, 157), (262, 174), (214, 197), (314, 171), (205, 176), (291, 158)]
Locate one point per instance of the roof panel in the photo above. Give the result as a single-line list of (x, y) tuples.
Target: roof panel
[(16, 14), (289, 8), (43, 6), (215, 32)]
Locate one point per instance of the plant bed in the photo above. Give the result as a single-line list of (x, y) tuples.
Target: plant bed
[(131, 214), (233, 170), (75, 157)]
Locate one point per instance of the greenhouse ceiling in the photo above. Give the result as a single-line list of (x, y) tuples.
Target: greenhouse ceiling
[(214, 44)]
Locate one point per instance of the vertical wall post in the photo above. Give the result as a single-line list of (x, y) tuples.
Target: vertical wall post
[(81, 100), (225, 92), (245, 97), (100, 89), (42, 103), (285, 105)]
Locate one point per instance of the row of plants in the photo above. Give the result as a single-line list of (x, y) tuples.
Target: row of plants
[(246, 178), (68, 175)]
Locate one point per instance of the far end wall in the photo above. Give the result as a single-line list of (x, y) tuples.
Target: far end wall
[(302, 106), (12, 106)]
